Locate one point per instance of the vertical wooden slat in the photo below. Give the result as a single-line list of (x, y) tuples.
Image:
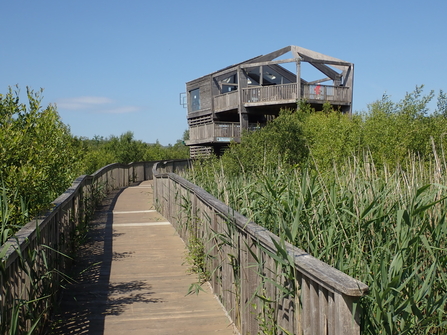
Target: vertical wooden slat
[(314, 307), (322, 306), (298, 305), (306, 307), (331, 314), (346, 322)]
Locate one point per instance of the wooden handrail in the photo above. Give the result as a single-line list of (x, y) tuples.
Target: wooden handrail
[(324, 300), (288, 92)]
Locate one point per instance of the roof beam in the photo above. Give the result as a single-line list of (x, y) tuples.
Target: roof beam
[(334, 75), (324, 61), (272, 62), (274, 54), (328, 62), (319, 57)]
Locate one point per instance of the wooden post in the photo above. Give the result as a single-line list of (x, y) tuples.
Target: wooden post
[(243, 116), (298, 80), (212, 93), (351, 88), (244, 121)]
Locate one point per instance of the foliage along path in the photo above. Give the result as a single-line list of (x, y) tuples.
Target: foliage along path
[(131, 277)]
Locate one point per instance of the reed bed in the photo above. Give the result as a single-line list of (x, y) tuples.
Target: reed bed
[(385, 228)]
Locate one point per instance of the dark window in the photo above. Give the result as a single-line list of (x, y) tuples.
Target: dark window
[(194, 97), (227, 84)]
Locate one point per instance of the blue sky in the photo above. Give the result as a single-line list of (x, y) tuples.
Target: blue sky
[(117, 66)]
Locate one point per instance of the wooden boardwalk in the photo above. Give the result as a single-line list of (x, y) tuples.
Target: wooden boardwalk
[(131, 277)]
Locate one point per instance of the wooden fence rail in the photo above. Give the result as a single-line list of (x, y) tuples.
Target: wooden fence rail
[(248, 277)]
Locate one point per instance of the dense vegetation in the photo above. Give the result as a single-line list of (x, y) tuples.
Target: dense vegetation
[(388, 131), (366, 194), (40, 158), (99, 151)]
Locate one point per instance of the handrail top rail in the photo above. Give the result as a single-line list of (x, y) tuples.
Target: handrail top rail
[(226, 93), (25, 234)]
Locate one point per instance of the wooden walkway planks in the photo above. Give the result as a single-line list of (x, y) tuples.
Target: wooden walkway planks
[(131, 278)]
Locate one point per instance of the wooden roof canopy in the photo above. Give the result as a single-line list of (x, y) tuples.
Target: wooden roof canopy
[(318, 60)]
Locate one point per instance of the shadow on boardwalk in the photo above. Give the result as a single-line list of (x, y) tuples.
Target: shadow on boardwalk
[(129, 277), (91, 297)]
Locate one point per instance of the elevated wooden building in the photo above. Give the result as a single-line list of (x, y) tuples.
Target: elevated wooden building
[(249, 94)]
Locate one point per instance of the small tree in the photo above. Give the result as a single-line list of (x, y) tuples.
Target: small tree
[(38, 155)]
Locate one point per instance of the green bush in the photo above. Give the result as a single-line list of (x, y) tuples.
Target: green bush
[(38, 155), (332, 136), (100, 151), (279, 141)]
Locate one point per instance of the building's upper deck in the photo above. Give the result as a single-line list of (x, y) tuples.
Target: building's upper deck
[(268, 81), (282, 94)]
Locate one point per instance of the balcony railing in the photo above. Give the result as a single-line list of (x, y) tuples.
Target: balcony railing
[(274, 93), (226, 101), (285, 93), (218, 132), (288, 92), (339, 94), (215, 132)]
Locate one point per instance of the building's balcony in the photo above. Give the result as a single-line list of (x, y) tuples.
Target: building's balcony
[(336, 95), (269, 95), (218, 132), (226, 101), (282, 94)]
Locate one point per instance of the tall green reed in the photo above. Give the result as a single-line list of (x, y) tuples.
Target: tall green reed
[(11, 217), (385, 228)]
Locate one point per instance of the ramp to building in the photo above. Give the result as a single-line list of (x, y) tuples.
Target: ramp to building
[(131, 277)]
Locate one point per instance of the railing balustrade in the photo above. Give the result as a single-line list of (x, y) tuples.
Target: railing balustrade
[(226, 101), (211, 131), (240, 259), (283, 93), (325, 93), (272, 93)]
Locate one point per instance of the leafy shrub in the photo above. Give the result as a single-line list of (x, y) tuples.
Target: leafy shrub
[(100, 151), (38, 155), (281, 140)]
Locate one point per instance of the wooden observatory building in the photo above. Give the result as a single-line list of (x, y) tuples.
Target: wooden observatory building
[(247, 95)]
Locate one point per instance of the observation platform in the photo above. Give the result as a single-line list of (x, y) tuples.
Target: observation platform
[(131, 277)]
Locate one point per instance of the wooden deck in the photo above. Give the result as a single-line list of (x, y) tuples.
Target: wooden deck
[(131, 277)]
